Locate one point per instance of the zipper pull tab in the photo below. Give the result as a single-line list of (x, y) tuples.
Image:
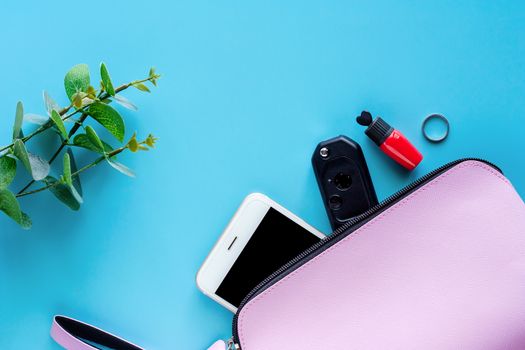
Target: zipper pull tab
[(232, 345)]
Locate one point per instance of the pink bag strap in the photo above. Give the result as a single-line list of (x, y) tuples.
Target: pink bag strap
[(219, 345), (72, 334)]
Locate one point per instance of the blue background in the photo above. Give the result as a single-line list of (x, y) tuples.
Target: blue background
[(248, 90)]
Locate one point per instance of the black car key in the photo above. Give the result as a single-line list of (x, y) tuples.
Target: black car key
[(343, 178)]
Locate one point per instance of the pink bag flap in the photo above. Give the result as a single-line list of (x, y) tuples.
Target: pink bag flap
[(443, 268)]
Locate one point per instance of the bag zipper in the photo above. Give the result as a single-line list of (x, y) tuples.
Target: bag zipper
[(338, 233)]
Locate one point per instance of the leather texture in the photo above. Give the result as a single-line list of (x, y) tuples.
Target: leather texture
[(443, 268)]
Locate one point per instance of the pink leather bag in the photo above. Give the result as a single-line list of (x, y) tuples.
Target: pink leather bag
[(439, 265)]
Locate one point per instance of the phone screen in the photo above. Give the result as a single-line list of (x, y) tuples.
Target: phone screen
[(276, 241)]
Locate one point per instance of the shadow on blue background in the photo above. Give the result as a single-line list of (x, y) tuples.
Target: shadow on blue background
[(248, 90)]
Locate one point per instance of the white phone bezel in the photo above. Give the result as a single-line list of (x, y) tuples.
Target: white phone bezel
[(240, 228)]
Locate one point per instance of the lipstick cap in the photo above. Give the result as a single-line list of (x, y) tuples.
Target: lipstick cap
[(378, 131)]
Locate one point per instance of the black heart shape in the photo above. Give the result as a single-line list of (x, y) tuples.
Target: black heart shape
[(365, 118)]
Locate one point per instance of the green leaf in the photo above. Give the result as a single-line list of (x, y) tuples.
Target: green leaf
[(67, 170), (93, 138), (7, 171), (9, 205), (39, 167), (25, 221), (82, 140), (121, 167), (124, 102), (74, 169), (68, 179), (77, 79), (109, 118), (106, 80), (76, 195), (59, 123), (19, 118), (49, 103), (141, 87), (66, 194), (153, 76), (19, 150), (35, 119), (36, 166)]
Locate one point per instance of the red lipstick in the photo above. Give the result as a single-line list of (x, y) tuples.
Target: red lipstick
[(391, 141)]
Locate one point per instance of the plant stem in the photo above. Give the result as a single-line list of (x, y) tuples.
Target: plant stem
[(86, 167)]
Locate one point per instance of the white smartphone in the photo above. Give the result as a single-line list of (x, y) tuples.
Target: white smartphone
[(261, 237)]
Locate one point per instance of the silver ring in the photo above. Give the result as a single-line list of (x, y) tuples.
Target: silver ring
[(429, 118)]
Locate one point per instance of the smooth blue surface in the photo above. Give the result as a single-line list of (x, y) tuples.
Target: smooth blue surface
[(248, 90)]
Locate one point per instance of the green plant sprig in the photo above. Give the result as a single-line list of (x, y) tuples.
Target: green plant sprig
[(102, 96), (91, 104)]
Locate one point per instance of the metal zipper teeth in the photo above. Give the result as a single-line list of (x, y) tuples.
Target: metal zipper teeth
[(358, 219)]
